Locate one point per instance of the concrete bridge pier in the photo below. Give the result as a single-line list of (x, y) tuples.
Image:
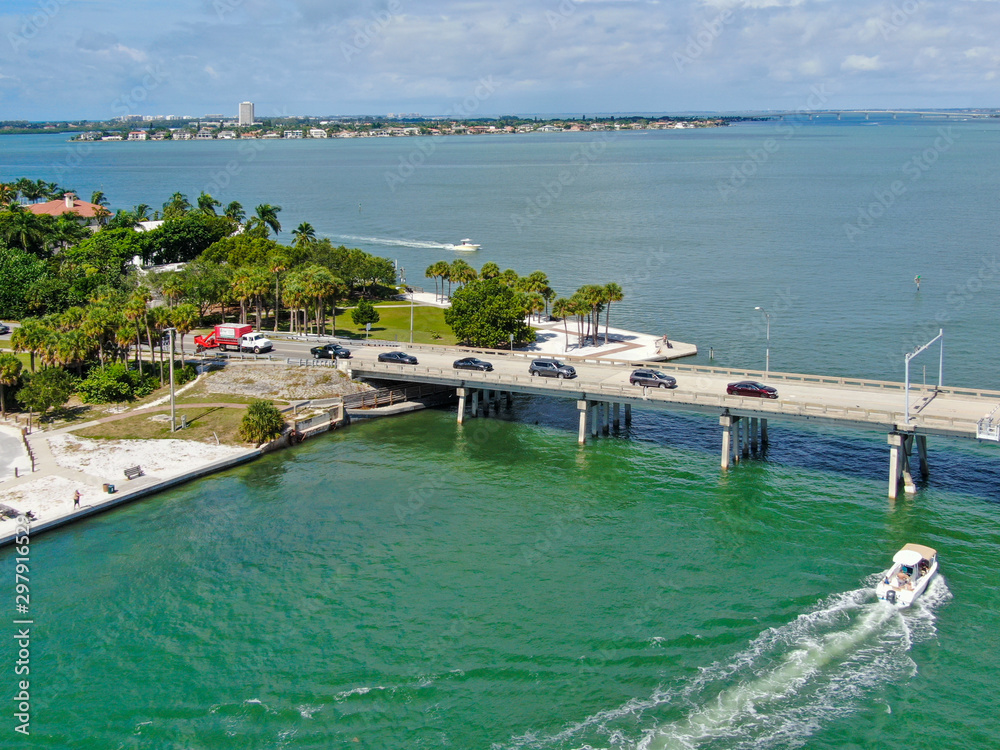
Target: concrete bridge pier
[(475, 403), (754, 427), (595, 417), (461, 393), (922, 452), (900, 445), (582, 407), (617, 420), (628, 413), (606, 417), (763, 433), (728, 448), (510, 399)]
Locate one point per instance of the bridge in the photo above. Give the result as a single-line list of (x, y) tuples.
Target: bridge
[(602, 392)]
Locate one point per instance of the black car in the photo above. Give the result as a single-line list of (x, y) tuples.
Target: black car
[(751, 388), (400, 358), (330, 351), (471, 363), (551, 368), (4, 329), (652, 378)]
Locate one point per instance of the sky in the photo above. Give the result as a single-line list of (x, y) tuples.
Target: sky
[(99, 59)]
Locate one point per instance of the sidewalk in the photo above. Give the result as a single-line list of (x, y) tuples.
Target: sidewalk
[(622, 345)]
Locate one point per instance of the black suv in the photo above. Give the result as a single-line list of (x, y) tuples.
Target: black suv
[(652, 378), (330, 351), (551, 368)]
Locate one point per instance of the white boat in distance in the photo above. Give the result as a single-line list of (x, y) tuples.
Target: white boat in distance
[(912, 570), (466, 245)]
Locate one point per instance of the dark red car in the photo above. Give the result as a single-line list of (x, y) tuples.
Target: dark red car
[(751, 388)]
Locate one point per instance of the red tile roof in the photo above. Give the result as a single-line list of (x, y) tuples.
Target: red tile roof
[(70, 204)]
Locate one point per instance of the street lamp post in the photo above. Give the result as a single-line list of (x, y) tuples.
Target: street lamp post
[(410, 292), (767, 356), (173, 406)]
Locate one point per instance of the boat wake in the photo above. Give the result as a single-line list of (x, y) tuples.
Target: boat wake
[(778, 691), (389, 242)]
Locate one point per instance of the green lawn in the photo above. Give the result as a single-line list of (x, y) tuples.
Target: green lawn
[(204, 423), (394, 324)]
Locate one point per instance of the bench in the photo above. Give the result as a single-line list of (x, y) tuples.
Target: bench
[(132, 472)]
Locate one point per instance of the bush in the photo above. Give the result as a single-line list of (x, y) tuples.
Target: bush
[(364, 313), (261, 423), (115, 383)]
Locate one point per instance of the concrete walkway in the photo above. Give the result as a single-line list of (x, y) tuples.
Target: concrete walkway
[(552, 339)]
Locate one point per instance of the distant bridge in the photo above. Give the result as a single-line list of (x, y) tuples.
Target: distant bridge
[(601, 389)]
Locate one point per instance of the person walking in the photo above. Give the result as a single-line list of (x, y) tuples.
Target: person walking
[(76, 499)]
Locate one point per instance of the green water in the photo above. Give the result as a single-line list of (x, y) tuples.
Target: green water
[(413, 583)]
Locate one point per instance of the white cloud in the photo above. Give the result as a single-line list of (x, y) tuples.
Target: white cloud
[(860, 63)]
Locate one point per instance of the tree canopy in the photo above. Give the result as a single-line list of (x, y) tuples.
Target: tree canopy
[(486, 312)]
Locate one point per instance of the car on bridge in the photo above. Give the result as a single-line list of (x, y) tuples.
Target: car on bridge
[(4, 329), (399, 358), (751, 388), (472, 363), (652, 379), (330, 351), (551, 368)]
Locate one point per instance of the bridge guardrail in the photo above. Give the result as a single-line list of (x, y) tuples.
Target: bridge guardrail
[(779, 407)]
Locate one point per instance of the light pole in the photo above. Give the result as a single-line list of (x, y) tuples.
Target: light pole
[(767, 356), (402, 272), (173, 406)]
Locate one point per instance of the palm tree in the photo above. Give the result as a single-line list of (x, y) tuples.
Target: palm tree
[(461, 273), (563, 308), (8, 194), (259, 284), (304, 234), (207, 204), (490, 270), (279, 263), (98, 198), (320, 283), (185, 317), (162, 320), (296, 299), (10, 373), (612, 293), (265, 220), (72, 348), (235, 212), (29, 337), (593, 295), (439, 270), (509, 278), (242, 290), (135, 312), (178, 205), (534, 303), (141, 212), (172, 288)]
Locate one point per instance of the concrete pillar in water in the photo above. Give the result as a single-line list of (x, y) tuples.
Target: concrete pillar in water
[(461, 392), (908, 486), (594, 417), (925, 470), (606, 421), (581, 406), (895, 463), (628, 413), (753, 434), (510, 397), (727, 439), (487, 394), (763, 433), (475, 403), (617, 420)]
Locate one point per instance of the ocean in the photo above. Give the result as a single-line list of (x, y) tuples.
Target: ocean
[(417, 583)]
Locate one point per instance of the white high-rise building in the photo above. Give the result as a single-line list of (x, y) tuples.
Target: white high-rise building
[(246, 114)]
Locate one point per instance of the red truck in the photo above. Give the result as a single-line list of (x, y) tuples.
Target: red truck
[(241, 338)]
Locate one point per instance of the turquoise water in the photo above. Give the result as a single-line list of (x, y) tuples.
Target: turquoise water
[(415, 583)]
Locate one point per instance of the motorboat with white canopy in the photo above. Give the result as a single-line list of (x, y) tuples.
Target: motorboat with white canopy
[(912, 569)]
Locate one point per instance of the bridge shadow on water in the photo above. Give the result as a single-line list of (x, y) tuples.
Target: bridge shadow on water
[(956, 465)]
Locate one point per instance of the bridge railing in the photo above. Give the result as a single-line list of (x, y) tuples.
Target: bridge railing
[(573, 388)]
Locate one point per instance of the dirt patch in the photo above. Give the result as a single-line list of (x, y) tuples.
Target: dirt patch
[(281, 381)]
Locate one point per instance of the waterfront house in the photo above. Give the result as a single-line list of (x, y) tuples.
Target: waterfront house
[(317, 133), (293, 134), (138, 135), (87, 213), (227, 135)]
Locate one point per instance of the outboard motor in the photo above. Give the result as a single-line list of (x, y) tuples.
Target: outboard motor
[(890, 596)]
